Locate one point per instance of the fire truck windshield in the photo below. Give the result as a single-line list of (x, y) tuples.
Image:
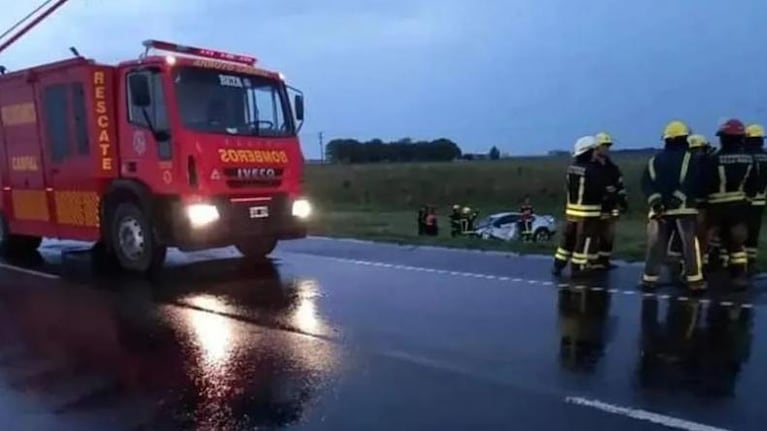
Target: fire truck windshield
[(236, 104)]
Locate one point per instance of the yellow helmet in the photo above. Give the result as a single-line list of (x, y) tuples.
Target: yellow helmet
[(697, 141), (466, 210), (603, 138), (676, 129), (456, 207), (755, 131)]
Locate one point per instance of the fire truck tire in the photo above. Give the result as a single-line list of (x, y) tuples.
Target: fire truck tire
[(133, 240), (257, 250), (16, 244)]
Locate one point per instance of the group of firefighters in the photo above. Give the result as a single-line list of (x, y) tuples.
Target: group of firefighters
[(705, 205)]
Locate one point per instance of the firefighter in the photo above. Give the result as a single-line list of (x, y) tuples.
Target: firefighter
[(525, 225), (755, 146), (731, 174), (614, 203), (700, 149), (671, 183), (585, 191), (469, 218), (422, 220), (455, 221), (431, 228)]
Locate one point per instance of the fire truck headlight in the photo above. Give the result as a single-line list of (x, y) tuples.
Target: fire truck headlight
[(302, 208), (202, 214)]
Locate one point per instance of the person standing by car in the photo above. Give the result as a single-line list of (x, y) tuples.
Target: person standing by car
[(422, 220), (455, 221), (614, 203), (586, 188), (431, 228), (525, 224)]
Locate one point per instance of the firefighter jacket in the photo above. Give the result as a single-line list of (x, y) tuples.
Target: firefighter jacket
[(731, 176), (615, 199), (526, 211), (671, 182), (586, 188), (758, 196)]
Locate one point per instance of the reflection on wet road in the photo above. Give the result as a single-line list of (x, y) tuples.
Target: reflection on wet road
[(352, 336)]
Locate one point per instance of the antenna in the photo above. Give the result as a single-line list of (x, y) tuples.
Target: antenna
[(74, 51), (32, 24)]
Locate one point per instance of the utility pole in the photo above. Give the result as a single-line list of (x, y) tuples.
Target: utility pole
[(321, 136)]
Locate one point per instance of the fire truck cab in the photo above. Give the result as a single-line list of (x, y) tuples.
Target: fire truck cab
[(194, 149)]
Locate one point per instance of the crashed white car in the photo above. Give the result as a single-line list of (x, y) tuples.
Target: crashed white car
[(504, 226)]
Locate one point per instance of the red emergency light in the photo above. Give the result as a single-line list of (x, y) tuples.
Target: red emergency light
[(200, 52)]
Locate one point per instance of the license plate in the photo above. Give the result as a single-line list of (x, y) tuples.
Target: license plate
[(259, 212)]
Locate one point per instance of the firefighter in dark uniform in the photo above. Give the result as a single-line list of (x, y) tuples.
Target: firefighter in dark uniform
[(700, 148), (455, 221), (525, 225), (585, 190), (731, 176), (614, 203), (422, 220), (469, 218), (755, 146), (672, 184)]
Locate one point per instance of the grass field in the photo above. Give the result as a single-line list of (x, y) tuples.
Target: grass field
[(379, 202)]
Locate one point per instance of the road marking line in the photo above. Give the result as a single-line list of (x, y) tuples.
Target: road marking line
[(29, 271), (560, 285), (642, 415)]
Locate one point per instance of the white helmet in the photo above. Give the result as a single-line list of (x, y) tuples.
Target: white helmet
[(584, 144)]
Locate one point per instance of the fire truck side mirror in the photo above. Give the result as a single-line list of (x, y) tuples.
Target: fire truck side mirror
[(139, 90), (299, 104)]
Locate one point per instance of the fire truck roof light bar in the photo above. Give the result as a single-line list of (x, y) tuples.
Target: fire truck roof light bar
[(200, 52)]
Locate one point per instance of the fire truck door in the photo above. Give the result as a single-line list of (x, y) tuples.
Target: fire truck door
[(24, 191), (69, 158)]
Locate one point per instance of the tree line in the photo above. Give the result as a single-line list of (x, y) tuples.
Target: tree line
[(403, 150)]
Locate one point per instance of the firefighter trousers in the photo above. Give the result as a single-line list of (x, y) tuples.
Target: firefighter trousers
[(729, 222), (659, 231), (606, 239), (525, 227), (578, 244), (754, 222), (674, 250)]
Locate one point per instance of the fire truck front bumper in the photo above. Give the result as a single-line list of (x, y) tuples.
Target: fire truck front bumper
[(223, 222)]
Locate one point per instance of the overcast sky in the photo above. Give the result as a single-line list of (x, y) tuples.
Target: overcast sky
[(525, 75)]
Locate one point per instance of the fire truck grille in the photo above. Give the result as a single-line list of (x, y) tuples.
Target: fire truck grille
[(239, 184), (253, 177)]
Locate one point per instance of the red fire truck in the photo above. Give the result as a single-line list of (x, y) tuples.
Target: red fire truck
[(184, 147)]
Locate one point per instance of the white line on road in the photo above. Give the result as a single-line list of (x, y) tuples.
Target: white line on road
[(626, 292), (642, 415), (29, 271)]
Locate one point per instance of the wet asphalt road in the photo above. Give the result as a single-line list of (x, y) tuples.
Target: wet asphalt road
[(344, 335)]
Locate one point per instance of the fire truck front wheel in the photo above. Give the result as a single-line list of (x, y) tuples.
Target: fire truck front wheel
[(257, 249), (133, 240)]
